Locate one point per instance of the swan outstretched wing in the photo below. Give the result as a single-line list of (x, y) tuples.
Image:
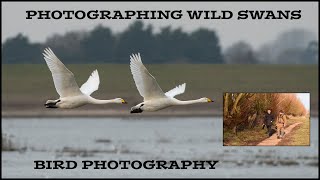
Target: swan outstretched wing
[(92, 84), (145, 82), (176, 91), (63, 78)]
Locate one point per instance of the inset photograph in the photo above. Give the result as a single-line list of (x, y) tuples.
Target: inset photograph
[(266, 119)]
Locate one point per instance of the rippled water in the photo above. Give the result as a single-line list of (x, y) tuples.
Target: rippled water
[(147, 139)]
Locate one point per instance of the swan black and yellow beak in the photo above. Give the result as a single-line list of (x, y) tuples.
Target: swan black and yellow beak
[(209, 100), (123, 101)]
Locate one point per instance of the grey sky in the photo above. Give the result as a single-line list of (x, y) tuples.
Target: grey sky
[(305, 99), (255, 32)]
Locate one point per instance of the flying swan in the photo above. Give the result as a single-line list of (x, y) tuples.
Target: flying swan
[(154, 98), (71, 96)]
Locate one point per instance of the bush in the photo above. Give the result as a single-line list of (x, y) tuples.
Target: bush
[(7, 144)]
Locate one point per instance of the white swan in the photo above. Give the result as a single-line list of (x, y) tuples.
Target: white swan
[(154, 98), (71, 96)]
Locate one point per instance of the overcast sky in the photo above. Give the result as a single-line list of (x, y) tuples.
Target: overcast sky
[(305, 99), (255, 32)]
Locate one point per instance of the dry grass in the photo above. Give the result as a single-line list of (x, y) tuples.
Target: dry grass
[(247, 137), (21, 83), (300, 135), (7, 143)]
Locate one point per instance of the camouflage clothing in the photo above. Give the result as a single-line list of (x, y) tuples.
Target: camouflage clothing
[(280, 123)]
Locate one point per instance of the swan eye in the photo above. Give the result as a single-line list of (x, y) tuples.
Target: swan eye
[(141, 105)]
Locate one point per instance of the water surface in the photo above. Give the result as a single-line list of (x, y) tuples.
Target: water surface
[(147, 139)]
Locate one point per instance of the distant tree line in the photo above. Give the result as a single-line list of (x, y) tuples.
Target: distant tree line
[(296, 46), (101, 45)]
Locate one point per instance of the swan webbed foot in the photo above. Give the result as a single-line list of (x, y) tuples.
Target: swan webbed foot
[(51, 103), (138, 110)]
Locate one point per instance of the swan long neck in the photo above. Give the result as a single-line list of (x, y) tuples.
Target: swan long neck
[(178, 102), (99, 101)]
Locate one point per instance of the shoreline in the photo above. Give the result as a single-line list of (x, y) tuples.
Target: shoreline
[(112, 113), (104, 113)]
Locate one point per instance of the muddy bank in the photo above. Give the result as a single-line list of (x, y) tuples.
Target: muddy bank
[(82, 112), (107, 113)]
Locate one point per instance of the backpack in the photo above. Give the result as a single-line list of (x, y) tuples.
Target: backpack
[(280, 119)]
